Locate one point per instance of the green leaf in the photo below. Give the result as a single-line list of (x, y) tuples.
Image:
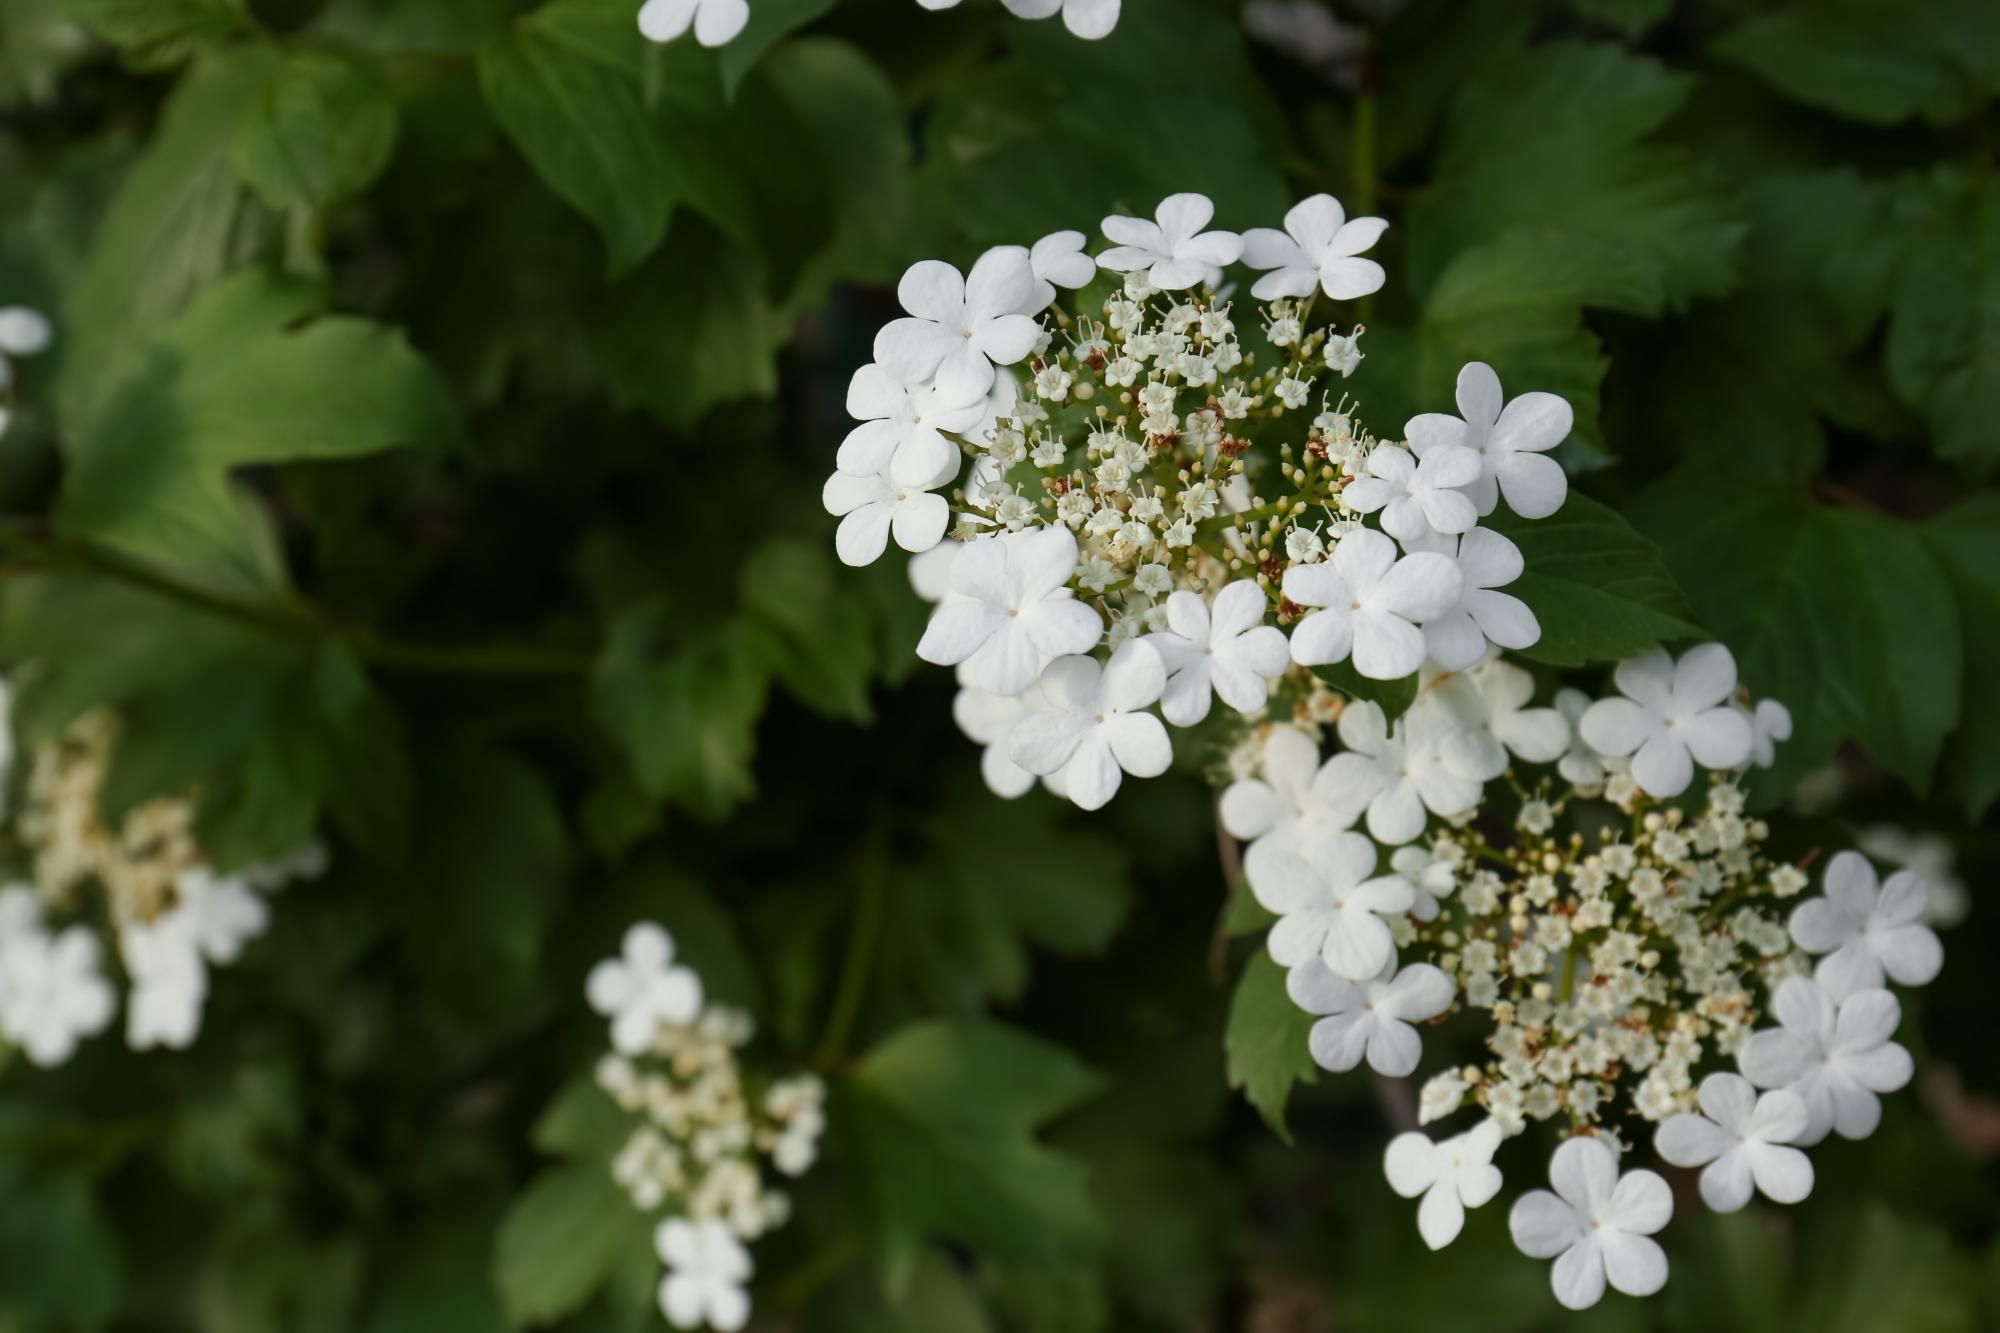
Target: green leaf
[(935, 1296), (1966, 541), (259, 1278), (1879, 61), (940, 1121), (323, 129), (769, 23), (1394, 696), (59, 1261), (1944, 335), (1600, 589), (1266, 1041), (561, 1241), (246, 375), (1844, 616), (159, 32), (1887, 1274), (828, 645)]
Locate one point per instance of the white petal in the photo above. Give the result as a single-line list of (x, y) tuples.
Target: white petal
[(1534, 484), (1092, 776), (1635, 1265), (1577, 1278), (1440, 1217), (1139, 743), (1543, 1225), (1662, 766), (1691, 1140), (1583, 1172), (1783, 1173), (1411, 1164), (717, 22)]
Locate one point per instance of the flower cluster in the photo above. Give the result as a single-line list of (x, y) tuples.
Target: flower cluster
[(23, 332), (146, 883), (717, 22), (703, 1130)]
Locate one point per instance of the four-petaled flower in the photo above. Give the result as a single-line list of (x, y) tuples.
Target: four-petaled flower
[(1486, 713), (707, 1268), (1329, 905), (1371, 604), (1317, 249), (1511, 442), (1597, 1226), (902, 430), (1486, 561), (52, 991), (1865, 930), (715, 21), (1743, 1141), (1673, 715), (1417, 497), (1396, 774), (1370, 1018), (1297, 804), (1173, 249), (1013, 611), (1453, 1175), (642, 989), (1092, 730), (874, 506), (960, 327), (1835, 1055), (1226, 650)]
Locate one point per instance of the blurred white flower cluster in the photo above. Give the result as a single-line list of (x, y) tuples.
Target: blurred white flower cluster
[(718, 22), (705, 1131), (145, 885)]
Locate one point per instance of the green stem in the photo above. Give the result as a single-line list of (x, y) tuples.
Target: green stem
[(871, 900)]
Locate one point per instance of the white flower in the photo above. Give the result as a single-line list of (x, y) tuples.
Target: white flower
[(1013, 610), (1452, 1175), (1416, 497), (1673, 716), (1296, 804), (872, 507), (1441, 1095), (1510, 442), (707, 1268), (901, 430), (986, 718), (1483, 713), (1930, 855), (1173, 249), (1343, 353), (1226, 649), (1327, 904), (1743, 1140), (1316, 249), (1836, 1057), (1597, 1226), (1770, 722), (1396, 774), (223, 913), (715, 21), (1371, 604), (1865, 930), (959, 327), (1370, 1019), (1058, 260), (169, 982), (1088, 19), (52, 990), (1429, 876), (642, 989), (1093, 731), (1486, 561), (1580, 765)]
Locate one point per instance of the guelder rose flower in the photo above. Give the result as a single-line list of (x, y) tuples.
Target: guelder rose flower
[(1226, 649), (1417, 497), (642, 989), (901, 430), (1743, 1141), (1865, 930), (1013, 611), (1371, 605), (1397, 774), (1327, 904), (1510, 442), (1093, 731), (1296, 804), (1835, 1056), (1453, 1175), (959, 327), (1483, 714), (872, 507), (715, 21), (1486, 561), (1316, 249), (1058, 260), (169, 982), (1173, 250), (52, 992), (707, 1268), (1597, 1226), (223, 913), (1370, 1019), (1673, 716)]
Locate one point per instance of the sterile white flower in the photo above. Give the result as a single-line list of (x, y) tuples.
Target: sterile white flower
[(1866, 930), (902, 429), (1510, 442), (1317, 249), (1371, 605), (1486, 561), (1597, 1225), (1483, 713), (986, 718), (1453, 1175), (1296, 804), (52, 991), (707, 1268), (642, 988), (1013, 610), (1226, 650), (1396, 774), (1743, 1140), (1770, 723), (1173, 250), (224, 912), (1673, 715), (715, 21), (959, 327), (1835, 1055), (1417, 496), (872, 507), (1093, 730), (169, 982), (1058, 260), (1329, 904), (1370, 1018)]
